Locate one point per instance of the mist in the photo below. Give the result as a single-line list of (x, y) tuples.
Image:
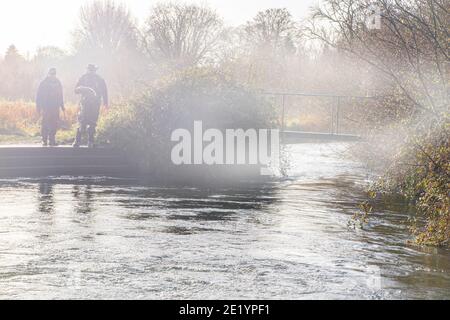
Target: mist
[(225, 150)]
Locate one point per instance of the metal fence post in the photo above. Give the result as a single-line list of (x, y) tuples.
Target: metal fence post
[(337, 114), (332, 117), (283, 113)]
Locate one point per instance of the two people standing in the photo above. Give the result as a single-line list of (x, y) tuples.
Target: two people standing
[(50, 101)]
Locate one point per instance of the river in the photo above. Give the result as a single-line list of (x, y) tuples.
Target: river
[(106, 238)]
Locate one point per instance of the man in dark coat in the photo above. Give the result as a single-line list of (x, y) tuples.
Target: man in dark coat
[(49, 100), (94, 93)]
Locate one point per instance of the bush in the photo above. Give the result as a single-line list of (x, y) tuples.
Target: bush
[(19, 121), (421, 173), (143, 127)]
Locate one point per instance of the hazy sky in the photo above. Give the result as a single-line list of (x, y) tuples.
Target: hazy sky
[(30, 24)]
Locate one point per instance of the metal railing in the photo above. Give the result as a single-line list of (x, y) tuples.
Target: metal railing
[(335, 108)]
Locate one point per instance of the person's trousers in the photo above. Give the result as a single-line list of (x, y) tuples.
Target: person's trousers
[(84, 128), (87, 121), (49, 127)]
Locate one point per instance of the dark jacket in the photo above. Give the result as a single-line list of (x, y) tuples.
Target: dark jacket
[(50, 96), (96, 83)]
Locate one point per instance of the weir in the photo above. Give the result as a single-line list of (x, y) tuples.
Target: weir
[(293, 137), (37, 161)]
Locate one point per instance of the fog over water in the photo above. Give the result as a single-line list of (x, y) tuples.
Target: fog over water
[(103, 238)]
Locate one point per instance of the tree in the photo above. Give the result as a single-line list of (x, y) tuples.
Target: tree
[(268, 43), (17, 76), (410, 48), (107, 27), (107, 35), (12, 57), (47, 57), (50, 53), (182, 34), (409, 52), (273, 30)]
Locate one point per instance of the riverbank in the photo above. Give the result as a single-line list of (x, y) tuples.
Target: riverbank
[(416, 167), (20, 123), (63, 137)]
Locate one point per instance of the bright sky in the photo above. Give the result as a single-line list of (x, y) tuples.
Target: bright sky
[(30, 24)]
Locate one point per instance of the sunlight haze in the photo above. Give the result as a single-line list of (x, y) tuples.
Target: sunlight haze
[(40, 26), (218, 150)]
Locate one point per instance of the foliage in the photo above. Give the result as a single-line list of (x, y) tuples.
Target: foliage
[(408, 130), (182, 34), (361, 218), (107, 26), (272, 31), (143, 128), (421, 173), (410, 48), (19, 121)]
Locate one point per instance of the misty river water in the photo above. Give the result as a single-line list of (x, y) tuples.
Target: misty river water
[(108, 238)]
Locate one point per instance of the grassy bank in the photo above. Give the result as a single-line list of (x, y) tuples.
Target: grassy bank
[(413, 164), (420, 172), (20, 123)]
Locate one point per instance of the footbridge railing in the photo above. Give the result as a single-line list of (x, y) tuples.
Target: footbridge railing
[(336, 106)]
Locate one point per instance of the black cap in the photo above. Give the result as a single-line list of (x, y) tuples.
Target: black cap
[(92, 67)]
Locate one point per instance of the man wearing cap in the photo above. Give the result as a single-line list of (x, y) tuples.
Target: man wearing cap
[(49, 100), (94, 93)]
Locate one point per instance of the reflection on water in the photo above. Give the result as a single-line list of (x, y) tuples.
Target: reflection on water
[(82, 195), (45, 198), (106, 238)]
